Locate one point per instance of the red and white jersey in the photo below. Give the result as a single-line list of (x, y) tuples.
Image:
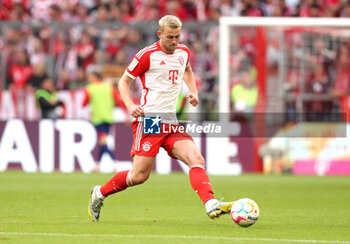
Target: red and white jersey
[(161, 75)]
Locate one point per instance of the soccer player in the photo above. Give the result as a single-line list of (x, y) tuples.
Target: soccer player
[(102, 98), (161, 68)]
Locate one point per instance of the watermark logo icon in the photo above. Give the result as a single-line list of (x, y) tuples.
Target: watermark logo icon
[(151, 124)]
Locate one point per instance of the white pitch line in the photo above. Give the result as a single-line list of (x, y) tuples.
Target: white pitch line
[(174, 237)]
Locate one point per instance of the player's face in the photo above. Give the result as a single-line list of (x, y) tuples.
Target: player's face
[(169, 38)]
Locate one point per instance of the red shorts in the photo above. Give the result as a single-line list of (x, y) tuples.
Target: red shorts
[(149, 144)]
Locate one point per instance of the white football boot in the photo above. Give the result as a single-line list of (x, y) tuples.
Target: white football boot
[(95, 205), (219, 208)]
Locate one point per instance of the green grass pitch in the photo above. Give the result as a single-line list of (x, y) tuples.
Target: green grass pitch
[(52, 208)]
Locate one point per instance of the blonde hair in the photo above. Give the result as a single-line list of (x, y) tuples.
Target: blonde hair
[(170, 21)]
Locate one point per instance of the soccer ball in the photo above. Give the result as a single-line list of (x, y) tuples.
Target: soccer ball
[(245, 212)]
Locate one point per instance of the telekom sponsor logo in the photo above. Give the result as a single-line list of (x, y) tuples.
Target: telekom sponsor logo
[(173, 76), (323, 167)]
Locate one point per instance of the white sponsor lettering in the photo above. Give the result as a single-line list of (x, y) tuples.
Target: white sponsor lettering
[(46, 146), (15, 147), (80, 149), (77, 139), (220, 149)]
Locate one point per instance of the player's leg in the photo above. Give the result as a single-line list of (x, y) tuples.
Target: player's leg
[(142, 167), (102, 141), (187, 151), (102, 135)]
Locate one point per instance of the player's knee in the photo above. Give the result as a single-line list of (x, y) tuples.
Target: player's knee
[(197, 159), (139, 178)]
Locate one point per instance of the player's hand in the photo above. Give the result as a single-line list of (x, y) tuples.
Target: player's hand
[(136, 111), (192, 99)]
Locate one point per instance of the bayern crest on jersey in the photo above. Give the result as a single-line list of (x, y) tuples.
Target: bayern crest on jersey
[(181, 60)]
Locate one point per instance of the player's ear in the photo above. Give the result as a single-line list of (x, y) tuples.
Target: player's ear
[(159, 34)]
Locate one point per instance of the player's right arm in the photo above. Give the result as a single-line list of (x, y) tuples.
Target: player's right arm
[(124, 90), (139, 64)]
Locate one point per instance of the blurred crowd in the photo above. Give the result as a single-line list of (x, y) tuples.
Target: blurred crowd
[(145, 10), (35, 53)]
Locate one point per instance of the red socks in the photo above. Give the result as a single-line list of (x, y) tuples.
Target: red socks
[(201, 184), (199, 180), (116, 184)]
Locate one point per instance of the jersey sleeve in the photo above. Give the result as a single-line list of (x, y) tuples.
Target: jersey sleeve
[(138, 65), (187, 50)]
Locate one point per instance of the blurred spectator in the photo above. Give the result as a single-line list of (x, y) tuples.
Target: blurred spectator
[(228, 7), (214, 14), (19, 71), (319, 83), (345, 12), (45, 34), (116, 13), (147, 12), (37, 54), (174, 7), (121, 59), (89, 4), (342, 75), (126, 9), (133, 41), (82, 14), (39, 75), (309, 8), (85, 50), (55, 13), (4, 13), (244, 94), (101, 14), (47, 100), (211, 70), (113, 43), (252, 8), (320, 54), (279, 8), (64, 78), (316, 11), (79, 81), (19, 12), (41, 10), (66, 65)]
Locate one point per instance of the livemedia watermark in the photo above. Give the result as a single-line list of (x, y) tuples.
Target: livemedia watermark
[(245, 125)]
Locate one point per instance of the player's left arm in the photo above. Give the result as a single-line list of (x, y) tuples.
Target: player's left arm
[(190, 81)]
